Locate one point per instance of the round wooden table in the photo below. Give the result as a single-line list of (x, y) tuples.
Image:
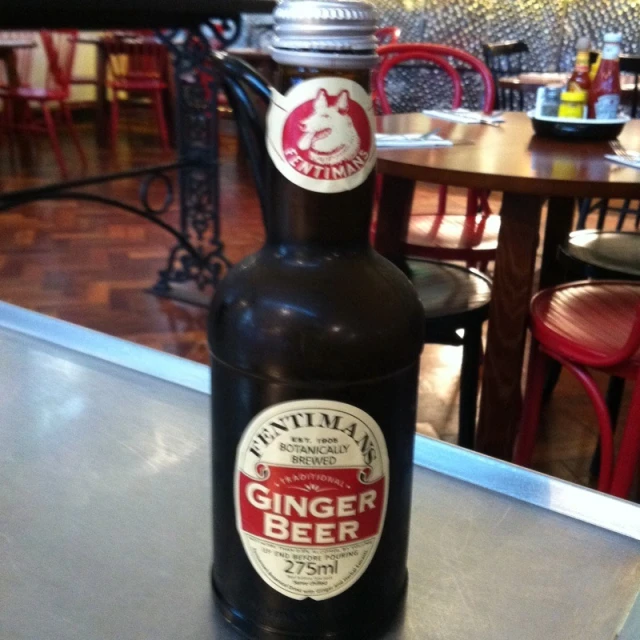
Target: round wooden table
[(527, 170)]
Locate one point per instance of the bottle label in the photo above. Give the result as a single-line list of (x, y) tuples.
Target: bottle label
[(311, 484), (606, 107), (321, 134)]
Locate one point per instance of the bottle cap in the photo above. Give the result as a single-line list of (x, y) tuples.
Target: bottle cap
[(325, 33), (613, 37), (583, 44)]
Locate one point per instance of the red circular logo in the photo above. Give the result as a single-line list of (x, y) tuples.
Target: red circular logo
[(328, 137)]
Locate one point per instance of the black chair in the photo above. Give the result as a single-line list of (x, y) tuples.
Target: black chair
[(506, 59), (455, 299), (629, 64)]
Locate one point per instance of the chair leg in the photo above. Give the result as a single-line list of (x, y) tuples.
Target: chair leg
[(604, 207), (604, 423), (584, 209), (526, 438), (615, 389), (629, 448), (115, 118), (161, 120), (66, 113), (626, 205), (442, 199), (553, 375), (55, 142), (469, 373)]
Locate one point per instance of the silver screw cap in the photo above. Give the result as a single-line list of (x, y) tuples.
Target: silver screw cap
[(337, 34)]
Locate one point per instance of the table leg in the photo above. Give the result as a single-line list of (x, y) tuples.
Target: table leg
[(559, 225), (102, 115), (394, 211), (501, 400)]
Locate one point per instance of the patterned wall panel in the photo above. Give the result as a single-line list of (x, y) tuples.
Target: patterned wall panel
[(549, 27), (593, 19), (407, 14), (538, 23)]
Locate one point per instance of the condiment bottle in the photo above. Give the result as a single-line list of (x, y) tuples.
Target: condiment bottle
[(572, 104), (604, 97), (579, 80)]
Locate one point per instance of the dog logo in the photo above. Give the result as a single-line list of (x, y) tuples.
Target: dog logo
[(321, 134), (329, 136)]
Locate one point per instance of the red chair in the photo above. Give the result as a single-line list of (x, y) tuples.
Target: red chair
[(471, 237), (137, 65), (59, 47), (596, 325), (388, 35)]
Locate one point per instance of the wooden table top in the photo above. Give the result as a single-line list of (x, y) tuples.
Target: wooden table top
[(531, 81), (510, 158)]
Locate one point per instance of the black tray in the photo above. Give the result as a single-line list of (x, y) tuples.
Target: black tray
[(573, 129)]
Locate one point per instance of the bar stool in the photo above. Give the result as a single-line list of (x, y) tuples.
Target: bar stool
[(588, 325)]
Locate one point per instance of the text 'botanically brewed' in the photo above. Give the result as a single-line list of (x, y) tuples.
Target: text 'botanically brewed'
[(311, 484), (321, 134)]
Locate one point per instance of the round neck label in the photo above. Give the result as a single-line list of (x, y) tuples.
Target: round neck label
[(321, 134), (311, 485)]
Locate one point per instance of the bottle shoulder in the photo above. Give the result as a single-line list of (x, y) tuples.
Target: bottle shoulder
[(316, 316)]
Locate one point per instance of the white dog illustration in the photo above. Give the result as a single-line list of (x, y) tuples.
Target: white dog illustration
[(328, 133)]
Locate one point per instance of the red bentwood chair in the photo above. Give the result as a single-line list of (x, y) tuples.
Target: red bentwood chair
[(595, 325), (471, 237), (388, 35), (137, 65), (60, 48)]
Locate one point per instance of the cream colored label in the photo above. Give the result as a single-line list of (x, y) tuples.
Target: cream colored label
[(311, 486), (321, 134)]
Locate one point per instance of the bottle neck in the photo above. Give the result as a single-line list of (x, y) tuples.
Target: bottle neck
[(300, 217), (611, 51), (582, 62)]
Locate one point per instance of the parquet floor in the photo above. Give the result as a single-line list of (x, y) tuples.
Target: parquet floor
[(91, 266)]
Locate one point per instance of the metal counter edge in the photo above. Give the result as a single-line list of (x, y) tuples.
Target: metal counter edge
[(534, 488)]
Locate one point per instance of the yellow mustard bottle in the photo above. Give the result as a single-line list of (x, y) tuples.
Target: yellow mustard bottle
[(572, 104)]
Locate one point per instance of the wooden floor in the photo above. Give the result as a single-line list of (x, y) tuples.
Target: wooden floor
[(91, 265)]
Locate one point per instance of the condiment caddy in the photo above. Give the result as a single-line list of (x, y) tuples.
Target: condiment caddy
[(587, 107)]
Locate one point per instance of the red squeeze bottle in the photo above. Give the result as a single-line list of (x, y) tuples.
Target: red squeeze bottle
[(604, 97)]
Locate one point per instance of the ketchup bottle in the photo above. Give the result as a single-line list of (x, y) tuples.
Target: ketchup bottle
[(604, 97)]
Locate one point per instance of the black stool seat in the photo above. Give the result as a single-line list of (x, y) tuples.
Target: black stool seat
[(615, 252), (456, 295), (455, 298)]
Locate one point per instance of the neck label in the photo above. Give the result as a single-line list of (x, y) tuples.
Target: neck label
[(321, 134), (311, 486)]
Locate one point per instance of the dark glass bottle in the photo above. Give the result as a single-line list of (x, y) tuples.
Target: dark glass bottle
[(315, 344)]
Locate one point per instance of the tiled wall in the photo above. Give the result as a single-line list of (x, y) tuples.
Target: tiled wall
[(549, 27)]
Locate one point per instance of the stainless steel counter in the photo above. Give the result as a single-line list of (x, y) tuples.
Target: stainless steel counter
[(105, 513)]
